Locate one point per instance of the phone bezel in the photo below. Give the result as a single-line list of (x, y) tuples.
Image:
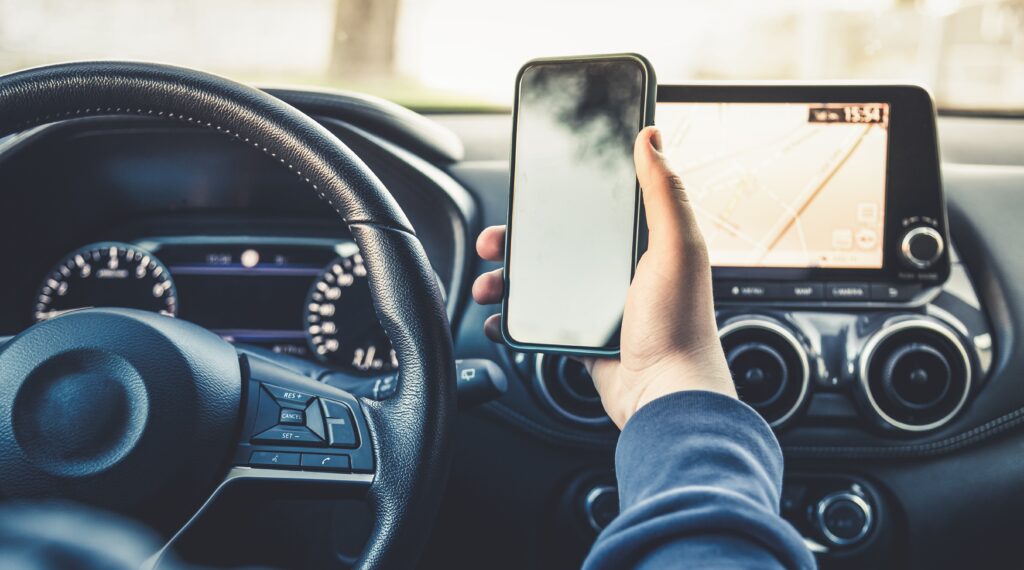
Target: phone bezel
[(649, 94)]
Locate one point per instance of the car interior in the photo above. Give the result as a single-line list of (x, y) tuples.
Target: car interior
[(237, 310)]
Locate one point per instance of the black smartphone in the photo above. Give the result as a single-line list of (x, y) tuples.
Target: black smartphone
[(575, 225)]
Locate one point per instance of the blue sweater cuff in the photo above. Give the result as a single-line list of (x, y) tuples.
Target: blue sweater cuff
[(714, 439), (699, 481)]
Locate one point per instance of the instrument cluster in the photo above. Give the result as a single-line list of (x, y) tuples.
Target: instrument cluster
[(304, 297)]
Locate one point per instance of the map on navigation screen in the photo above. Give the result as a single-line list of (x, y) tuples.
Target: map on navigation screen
[(783, 184)]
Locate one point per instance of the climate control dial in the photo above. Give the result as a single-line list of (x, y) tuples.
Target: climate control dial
[(844, 518)]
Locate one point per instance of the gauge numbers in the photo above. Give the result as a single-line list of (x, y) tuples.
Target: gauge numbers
[(341, 324), (106, 274)]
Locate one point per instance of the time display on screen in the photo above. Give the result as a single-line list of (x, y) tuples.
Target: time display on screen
[(863, 114)]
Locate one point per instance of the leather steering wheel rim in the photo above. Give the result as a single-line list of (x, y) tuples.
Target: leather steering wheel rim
[(410, 430)]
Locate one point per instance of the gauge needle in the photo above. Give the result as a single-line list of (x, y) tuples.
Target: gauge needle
[(55, 313)]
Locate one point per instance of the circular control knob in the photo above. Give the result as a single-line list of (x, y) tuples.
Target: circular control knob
[(601, 505), (921, 247), (844, 518)]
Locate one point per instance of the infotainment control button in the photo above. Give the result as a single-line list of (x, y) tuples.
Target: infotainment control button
[(894, 291), (847, 291), (727, 290), (800, 291)]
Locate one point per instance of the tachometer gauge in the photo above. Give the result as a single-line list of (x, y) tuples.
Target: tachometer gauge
[(106, 274), (341, 324)]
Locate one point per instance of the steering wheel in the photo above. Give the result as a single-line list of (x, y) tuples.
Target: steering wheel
[(154, 417)]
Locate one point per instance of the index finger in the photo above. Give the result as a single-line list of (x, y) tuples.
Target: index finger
[(491, 243)]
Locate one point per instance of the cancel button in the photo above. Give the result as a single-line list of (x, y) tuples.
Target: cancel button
[(847, 291)]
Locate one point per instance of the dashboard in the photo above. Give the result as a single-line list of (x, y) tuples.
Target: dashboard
[(276, 272), (305, 297), (828, 335)]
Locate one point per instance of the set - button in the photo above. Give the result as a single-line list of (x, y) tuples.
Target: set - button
[(288, 435)]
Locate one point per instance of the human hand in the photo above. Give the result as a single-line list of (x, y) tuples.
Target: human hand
[(669, 341)]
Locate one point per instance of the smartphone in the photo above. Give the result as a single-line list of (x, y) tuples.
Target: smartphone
[(575, 227)]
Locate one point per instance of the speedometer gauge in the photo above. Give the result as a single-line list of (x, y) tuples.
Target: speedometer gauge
[(106, 274), (341, 324)]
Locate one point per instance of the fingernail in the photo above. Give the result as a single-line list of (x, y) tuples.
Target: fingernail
[(656, 138)]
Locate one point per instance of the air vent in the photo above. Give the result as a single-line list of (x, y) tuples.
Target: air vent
[(915, 375), (566, 387), (769, 366)]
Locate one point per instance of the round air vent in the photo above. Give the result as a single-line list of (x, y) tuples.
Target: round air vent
[(565, 385), (915, 374), (769, 366)]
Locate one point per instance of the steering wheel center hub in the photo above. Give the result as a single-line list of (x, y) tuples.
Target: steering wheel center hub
[(80, 412), (119, 408)]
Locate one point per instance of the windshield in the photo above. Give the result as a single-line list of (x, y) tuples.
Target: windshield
[(464, 54)]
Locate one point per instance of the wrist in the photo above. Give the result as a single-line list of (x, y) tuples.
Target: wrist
[(686, 374)]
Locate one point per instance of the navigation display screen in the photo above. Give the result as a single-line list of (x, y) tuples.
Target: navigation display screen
[(794, 185)]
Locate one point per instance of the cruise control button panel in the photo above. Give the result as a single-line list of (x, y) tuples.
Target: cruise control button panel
[(280, 419), (288, 428)]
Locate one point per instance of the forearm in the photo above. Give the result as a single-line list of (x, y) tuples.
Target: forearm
[(699, 481)]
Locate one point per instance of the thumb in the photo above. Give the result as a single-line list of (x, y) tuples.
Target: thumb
[(670, 219)]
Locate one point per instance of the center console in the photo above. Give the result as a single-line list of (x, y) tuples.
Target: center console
[(823, 212), (844, 312), (846, 318)]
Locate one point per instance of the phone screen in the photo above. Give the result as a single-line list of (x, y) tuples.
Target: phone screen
[(574, 197)]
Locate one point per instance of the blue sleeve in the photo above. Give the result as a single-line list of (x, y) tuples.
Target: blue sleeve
[(699, 481)]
